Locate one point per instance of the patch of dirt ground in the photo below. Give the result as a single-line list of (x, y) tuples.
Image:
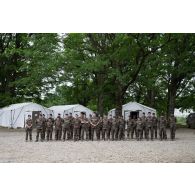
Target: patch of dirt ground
[(13, 148)]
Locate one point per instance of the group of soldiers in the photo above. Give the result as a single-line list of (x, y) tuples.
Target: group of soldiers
[(112, 128)]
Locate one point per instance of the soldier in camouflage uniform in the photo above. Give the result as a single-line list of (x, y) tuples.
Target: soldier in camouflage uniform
[(39, 126), (105, 126), (52, 119), (95, 126), (154, 124), (90, 117), (66, 126), (70, 136), (162, 128), (134, 120), (108, 130), (76, 127), (44, 127), (58, 128), (172, 124), (29, 128), (144, 129), (149, 127), (129, 126), (84, 127), (49, 128), (114, 127), (139, 129), (121, 128)]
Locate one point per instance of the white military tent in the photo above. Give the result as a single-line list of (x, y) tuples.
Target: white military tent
[(14, 116), (133, 109), (66, 109)]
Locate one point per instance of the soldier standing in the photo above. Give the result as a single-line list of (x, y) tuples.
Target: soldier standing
[(39, 124), (133, 127), (84, 127), (90, 117), (71, 125), (172, 124), (95, 126), (162, 128), (114, 127), (49, 128), (129, 126), (139, 129), (144, 129), (149, 126), (76, 127), (58, 127), (121, 128), (52, 119), (108, 130), (105, 126), (44, 127), (66, 127), (29, 128), (154, 124)]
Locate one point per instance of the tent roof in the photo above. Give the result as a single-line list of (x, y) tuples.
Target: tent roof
[(64, 107), (16, 106), (129, 103)]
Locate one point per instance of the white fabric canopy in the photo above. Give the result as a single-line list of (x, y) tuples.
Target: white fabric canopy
[(14, 115), (66, 109)]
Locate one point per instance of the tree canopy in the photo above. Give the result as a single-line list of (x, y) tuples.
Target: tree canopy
[(100, 71)]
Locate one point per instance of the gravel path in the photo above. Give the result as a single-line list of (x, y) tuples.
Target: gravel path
[(13, 148)]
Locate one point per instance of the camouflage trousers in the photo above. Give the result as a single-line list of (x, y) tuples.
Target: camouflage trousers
[(116, 133), (146, 133), (39, 132), (29, 134), (129, 129), (172, 132), (83, 132), (92, 130), (104, 130), (43, 133), (133, 131), (49, 133), (151, 131), (162, 133), (97, 130), (58, 133), (65, 133), (121, 133), (139, 134), (76, 133), (112, 132), (108, 133), (155, 131)]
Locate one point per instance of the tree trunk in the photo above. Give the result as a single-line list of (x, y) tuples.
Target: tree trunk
[(119, 101)]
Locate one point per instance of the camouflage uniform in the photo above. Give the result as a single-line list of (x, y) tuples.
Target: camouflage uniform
[(172, 123), (121, 129), (70, 136), (39, 124), (66, 127), (154, 125), (109, 128), (58, 128), (44, 128), (139, 129), (29, 129), (76, 128), (129, 127), (144, 129), (95, 127), (133, 128), (114, 127), (52, 120), (105, 127), (149, 128), (85, 128), (49, 129), (162, 128)]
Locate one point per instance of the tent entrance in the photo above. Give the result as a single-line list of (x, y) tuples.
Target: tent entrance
[(134, 114), (130, 113), (35, 116)]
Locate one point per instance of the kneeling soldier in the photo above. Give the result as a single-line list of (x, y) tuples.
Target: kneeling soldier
[(29, 128)]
